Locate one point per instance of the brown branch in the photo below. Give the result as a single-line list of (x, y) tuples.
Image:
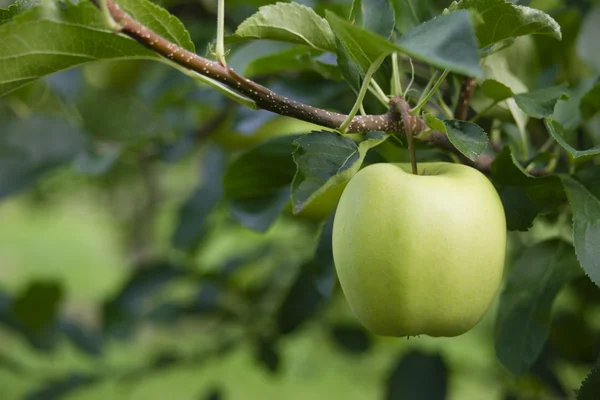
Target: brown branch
[(271, 101), (466, 92)]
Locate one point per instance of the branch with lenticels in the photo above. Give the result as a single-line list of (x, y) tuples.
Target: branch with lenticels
[(269, 100)]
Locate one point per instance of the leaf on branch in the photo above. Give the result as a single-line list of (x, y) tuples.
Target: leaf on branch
[(18, 7), (523, 196), (257, 183), (467, 137), (583, 192), (556, 130), (327, 159), (523, 320), (375, 15), (447, 42), (495, 90), (287, 22), (590, 102), (501, 19), (73, 34), (540, 103)]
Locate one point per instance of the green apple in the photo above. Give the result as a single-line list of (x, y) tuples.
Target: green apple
[(419, 254)]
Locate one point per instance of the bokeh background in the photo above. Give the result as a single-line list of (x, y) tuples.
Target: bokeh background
[(126, 274)]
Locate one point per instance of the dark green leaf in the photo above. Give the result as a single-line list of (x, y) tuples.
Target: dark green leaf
[(288, 22), (257, 182), (583, 192), (87, 340), (323, 267), (590, 387), (351, 338), (446, 42), (61, 37), (38, 306), (495, 90), (590, 102), (375, 15), (525, 303), (467, 137), (327, 159), (267, 354), (523, 196), (302, 301), (59, 389), (418, 376), (540, 103), (29, 148), (410, 13), (194, 213), (567, 112), (557, 132), (502, 20)]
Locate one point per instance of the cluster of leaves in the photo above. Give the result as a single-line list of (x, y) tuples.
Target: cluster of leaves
[(544, 136)]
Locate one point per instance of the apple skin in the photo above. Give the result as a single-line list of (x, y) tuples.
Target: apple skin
[(419, 254)]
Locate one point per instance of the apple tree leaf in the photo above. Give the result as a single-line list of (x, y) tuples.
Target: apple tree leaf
[(590, 102), (583, 192), (193, 214), (523, 320), (523, 196), (326, 159), (540, 103), (375, 15), (467, 137), (556, 130), (495, 90), (418, 375), (31, 147), (447, 42), (62, 35), (288, 22), (501, 19), (257, 183), (590, 387)]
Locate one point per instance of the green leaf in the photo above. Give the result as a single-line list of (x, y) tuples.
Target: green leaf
[(587, 38), (374, 15), (590, 102), (38, 306), (590, 387), (31, 147), (257, 183), (446, 42), (583, 192), (193, 215), (523, 196), (523, 320), (540, 103), (288, 22), (326, 159), (500, 20), (467, 137), (406, 379), (15, 9), (410, 13), (495, 90), (557, 132), (62, 35), (568, 113)]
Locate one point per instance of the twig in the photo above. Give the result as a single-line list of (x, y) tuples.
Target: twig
[(466, 92)]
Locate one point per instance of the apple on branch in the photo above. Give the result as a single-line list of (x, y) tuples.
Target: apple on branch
[(419, 254)]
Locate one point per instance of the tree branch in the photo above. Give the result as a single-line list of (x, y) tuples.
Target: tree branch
[(464, 98), (269, 100)]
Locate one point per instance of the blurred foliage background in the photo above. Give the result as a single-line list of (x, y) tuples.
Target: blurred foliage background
[(126, 274)]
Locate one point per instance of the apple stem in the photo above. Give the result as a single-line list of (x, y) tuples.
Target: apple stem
[(411, 125)]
